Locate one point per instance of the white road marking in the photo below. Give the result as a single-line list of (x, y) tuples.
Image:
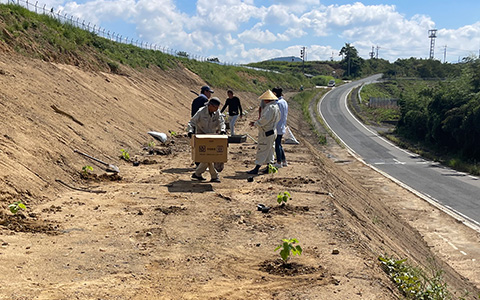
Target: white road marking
[(450, 243)]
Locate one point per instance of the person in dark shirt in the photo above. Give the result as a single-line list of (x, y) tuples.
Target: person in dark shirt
[(234, 110), (199, 102)]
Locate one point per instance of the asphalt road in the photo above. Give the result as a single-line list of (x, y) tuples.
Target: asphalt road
[(457, 192)]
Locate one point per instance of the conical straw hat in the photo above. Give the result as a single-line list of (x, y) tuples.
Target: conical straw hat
[(268, 95)]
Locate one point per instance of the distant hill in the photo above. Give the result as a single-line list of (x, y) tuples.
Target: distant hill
[(287, 58)]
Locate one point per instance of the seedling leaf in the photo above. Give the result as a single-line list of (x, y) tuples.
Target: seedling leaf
[(272, 169), (288, 248), (283, 197), (15, 206)]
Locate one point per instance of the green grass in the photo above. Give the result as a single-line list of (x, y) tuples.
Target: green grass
[(304, 98), (315, 68), (380, 114), (244, 79), (413, 282)]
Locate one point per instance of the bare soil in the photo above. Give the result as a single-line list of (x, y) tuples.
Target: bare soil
[(154, 233)]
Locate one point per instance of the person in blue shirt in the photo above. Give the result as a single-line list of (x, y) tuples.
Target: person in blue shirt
[(202, 99), (281, 128)]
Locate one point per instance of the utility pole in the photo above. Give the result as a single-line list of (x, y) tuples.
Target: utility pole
[(377, 52), (432, 34), (444, 53), (303, 54), (372, 53)]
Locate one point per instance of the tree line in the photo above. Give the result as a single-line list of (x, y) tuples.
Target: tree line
[(446, 116)]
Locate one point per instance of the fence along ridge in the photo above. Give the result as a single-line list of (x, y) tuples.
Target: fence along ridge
[(110, 36)]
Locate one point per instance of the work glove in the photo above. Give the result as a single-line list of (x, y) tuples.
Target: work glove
[(190, 134)]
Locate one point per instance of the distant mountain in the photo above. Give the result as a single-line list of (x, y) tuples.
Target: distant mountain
[(287, 58)]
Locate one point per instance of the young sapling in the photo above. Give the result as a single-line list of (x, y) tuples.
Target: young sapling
[(86, 169), (151, 144), (288, 249), (125, 155), (272, 169), (15, 206), (282, 198)]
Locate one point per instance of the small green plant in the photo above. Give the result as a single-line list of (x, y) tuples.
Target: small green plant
[(172, 133), (289, 248), (151, 144), (272, 169), (282, 198), (87, 169), (15, 206), (413, 282), (125, 155)]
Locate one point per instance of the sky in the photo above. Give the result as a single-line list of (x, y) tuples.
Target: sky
[(244, 31)]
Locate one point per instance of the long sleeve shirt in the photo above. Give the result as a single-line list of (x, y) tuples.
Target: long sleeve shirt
[(234, 106), (204, 122), (198, 103), (269, 117), (282, 124)]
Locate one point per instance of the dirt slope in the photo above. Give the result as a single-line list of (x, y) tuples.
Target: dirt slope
[(156, 234)]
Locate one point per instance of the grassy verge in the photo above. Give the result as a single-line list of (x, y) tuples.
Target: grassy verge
[(322, 122), (415, 283), (245, 79), (305, 99), (380, 114)]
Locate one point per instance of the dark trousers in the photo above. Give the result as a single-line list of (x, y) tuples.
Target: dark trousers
[(279, 149)]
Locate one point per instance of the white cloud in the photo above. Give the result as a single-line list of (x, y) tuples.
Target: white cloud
[(258, 36), (243, 30), (297, 6), (100, 11), (226, 15)]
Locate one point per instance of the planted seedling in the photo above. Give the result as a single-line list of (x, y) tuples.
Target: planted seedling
[(125, 155), (15, 206), (282, 198), (151, 144), (288, 249), (172, 133), (87, 169), (272, 169)]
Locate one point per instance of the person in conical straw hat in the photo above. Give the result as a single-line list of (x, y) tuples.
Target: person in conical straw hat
[(266, 125)]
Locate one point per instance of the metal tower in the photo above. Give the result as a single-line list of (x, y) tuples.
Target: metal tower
[(372, 54), (432, 34)]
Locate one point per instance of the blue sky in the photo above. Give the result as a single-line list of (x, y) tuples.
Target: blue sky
[(243, 31)]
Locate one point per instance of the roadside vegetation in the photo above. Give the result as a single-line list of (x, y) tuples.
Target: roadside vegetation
[(415, 283), (304, 99)]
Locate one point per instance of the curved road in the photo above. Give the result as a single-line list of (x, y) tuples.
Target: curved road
[(457, 193)]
